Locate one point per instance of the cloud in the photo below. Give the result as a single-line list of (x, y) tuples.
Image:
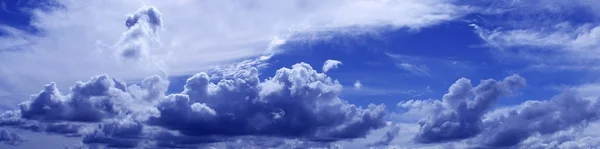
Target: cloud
[(357, 84), (144, 26), (415, 110), (331, 64), (465, 115), (415, 69), (117, 134), (462, 108), (545, 32), (570, 138), (389, 136), (296, 103), (195, 35), (93, 101), (245, 106), (9, 137), (562, 112), (563, 36)]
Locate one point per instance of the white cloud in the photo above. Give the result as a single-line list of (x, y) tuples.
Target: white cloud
[(563, 46), (331, 64), (590, 90), (196, 34), (414, 69), (108, 111), (415, 110), (357, 84)]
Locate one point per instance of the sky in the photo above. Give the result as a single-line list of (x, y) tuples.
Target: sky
[(351, 74)]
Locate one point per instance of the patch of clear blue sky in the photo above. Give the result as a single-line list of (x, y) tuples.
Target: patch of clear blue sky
[(17, 14)]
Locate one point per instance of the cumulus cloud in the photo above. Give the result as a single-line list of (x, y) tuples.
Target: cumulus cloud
[(562, 112), (93, 101), (296, 103), (570, 138), (331, 64), (388, 137), (459, 114), (357, 84), (416, 110), (136, 43), (464, 113)]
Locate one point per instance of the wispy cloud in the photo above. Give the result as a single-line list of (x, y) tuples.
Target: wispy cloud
[(415, 69)]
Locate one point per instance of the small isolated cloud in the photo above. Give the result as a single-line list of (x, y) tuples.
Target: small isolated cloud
[(331, 64), (357, 84), (137, 41), (414, 69)]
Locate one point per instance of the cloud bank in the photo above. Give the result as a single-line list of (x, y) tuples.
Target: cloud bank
[(296, 103), (464, 115), (296, 107)]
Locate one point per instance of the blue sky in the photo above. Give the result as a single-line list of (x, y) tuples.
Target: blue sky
[(407, 56)]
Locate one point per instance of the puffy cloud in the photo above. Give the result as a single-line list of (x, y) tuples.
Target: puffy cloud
[(415, 110), (464, 114), (297, 103), (143, 25), (357, 84), (149, 14), (331, 64), (93, 101), (568, 139), (9, 137), (388, 137), (575, 137), (90, 102), (562, 112), (462, 108)]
